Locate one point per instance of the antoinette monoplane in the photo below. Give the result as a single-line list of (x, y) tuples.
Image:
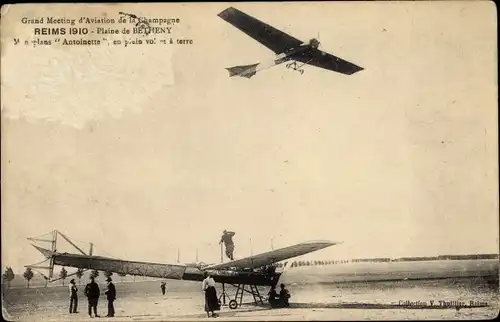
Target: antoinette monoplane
[(253, 271), (286, 48)]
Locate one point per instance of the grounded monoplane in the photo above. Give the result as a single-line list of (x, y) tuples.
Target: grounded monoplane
[(286, 48), (253, 271)]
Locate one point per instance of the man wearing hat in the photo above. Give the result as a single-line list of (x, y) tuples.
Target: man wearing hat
[(111, 296), (92, 291), (73, 297)]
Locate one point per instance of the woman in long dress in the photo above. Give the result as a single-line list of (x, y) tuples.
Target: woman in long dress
[(211, 300)]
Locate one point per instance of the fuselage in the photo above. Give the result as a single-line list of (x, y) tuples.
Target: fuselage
[(291, 53)]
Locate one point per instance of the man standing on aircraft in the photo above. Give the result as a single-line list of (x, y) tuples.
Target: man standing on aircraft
[(227, 239)]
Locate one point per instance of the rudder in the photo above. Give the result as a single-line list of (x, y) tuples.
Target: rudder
[(243, 71)]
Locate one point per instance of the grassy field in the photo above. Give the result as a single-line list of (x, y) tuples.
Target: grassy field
[(353, 272), (315, 295)]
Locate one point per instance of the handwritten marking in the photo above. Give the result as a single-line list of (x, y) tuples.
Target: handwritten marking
[(141, 23)]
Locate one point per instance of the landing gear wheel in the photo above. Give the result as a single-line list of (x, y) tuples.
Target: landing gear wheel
[(233, 304)]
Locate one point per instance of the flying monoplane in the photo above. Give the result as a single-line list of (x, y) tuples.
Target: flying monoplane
[(287, 48), (252, 271)]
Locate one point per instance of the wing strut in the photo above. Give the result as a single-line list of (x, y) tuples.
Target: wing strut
[(72, 244)]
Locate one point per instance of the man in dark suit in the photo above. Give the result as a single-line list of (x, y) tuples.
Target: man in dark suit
[(111, 296), (73, 296), (163, 287), (92, 292)]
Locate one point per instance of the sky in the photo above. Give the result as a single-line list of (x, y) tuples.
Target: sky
[(147, 149)]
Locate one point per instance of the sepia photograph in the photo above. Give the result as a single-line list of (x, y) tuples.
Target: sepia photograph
[(250, 161)]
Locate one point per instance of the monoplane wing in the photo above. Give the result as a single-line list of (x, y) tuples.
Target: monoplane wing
[(324, 60), (274, 256), (268, 36)]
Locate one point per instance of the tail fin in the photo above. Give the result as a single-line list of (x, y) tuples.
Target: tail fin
[(46, 252), (243, 71)]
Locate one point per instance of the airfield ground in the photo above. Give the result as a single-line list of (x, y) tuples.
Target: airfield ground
[(142, 301)]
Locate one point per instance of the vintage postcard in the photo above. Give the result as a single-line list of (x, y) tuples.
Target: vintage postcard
[(250, 161)]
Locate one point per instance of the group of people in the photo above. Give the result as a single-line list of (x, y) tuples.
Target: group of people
[(275, 299), (281, 299), (92, 292), (212, 303)]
